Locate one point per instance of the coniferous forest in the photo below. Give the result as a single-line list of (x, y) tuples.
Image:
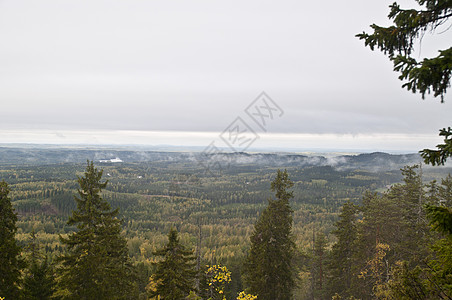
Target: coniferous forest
[(153, 230), (122, 223)]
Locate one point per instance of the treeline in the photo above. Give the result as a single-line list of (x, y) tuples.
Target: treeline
[(226, 207), (94, 262), (383, 248)]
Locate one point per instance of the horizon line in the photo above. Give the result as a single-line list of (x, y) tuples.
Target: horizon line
[(289, 142)]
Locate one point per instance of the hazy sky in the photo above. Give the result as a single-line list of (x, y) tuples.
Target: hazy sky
[(120, 67)]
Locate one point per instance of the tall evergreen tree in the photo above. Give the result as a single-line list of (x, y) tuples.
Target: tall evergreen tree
[(440, 267), (10, 260), (39, 282), (268, 270), (340, 262), (318, 266), (393, 230), (445, 191), (176, 273), (96, 264), (413, 234), (433, 278)]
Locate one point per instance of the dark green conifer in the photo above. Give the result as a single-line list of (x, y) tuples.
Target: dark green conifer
[(10, 261), (318, 266), (429, 75), (96, 264), (398, 42), (39, 281), (340, 262), (445, 191), (175, 274), (268, 270)]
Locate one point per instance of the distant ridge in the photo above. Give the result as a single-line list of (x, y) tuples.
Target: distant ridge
[(55, 155)]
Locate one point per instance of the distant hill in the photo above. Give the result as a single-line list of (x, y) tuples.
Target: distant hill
[(55, 155)]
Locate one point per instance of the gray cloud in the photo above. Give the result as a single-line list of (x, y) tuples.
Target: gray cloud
[(196, 65)]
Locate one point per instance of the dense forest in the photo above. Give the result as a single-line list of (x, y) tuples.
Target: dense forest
[(106, 223), (357, 230)]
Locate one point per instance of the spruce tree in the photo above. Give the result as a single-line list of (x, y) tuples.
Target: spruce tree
[(175, 274), (429, 75), (268, 270), (39, 282), (340, 263), (318, 266), (10, 260), (432, 279), (381, 224), (445, 191), (96, 264), (393, 231)]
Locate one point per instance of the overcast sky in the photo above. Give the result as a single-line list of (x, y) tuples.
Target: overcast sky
[(79, 71)]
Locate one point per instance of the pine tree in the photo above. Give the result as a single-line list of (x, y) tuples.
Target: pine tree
[(96, 264), (268, 270), (10, 260), (176, 273), (39, 282)]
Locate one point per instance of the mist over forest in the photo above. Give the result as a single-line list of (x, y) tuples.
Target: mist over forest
[(213, 209), (225, 150)]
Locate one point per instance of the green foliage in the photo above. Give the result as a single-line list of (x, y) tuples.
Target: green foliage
[(318, 266), (390, 253), (193, 296), (39, 280), (227, 207), (175, 274), (96, 263), (393, 229), (39, 283), (441, 265), (10, 261), (408, 284), (440, 156), (445, 191), (340, 261), (268, 271), (280, 186), (397, 41), (440, 218), (433, 278), (426, 76)]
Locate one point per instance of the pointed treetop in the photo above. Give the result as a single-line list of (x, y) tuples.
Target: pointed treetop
[(281, 184)]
